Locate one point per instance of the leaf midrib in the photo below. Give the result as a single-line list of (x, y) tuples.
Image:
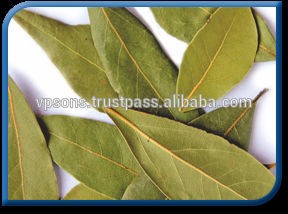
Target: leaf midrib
[(18, 140), (263, 47), (243, 113), (137, 130), (132, 58), (195, 88), (95, 153), (268, 50), (236, 121)]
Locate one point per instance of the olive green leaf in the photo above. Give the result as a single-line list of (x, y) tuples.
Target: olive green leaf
[(142, 188), (71, 49), (184, 23), (30, 172), (95, 153), (133, 60), (234, 124), (82, 192), (267, 45), (188, 163), (214, 61)]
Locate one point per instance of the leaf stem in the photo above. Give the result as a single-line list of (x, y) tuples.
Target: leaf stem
[(261, 93)]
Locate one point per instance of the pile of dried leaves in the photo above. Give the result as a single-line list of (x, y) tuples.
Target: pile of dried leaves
[(164, 153)]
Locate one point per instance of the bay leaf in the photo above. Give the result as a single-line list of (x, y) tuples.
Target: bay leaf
[(214, 61), (267, 44), (188, 163), (82, 192), (71, 49), (93, 152), (142, 188), (134, 62), (232, 123), (184, 23), (30, 171)]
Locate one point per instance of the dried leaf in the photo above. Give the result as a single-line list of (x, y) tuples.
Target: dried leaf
[(30, 172), (71, 49), (134, 61), (142, 188), (95, 153), (82, 192), (267, 45), (188, 163), (234, 124), (184, 23), (214, 61)]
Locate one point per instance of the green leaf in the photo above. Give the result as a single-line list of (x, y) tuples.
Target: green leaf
[(184, 23), (71, 49), (142, 188), (188, 163), (267, 45), (95, 153), (234, 124), (134, 62), (30, 172), (82, 192), (214, 61)]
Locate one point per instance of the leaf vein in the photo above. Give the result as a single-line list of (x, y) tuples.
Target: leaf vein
[(137, 130), (212, 62), (205, 10), (18, 140), (229, 129), (94, 153), (271, 52), (130, 55)]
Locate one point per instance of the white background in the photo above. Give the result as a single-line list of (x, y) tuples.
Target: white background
[(37, 77)]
